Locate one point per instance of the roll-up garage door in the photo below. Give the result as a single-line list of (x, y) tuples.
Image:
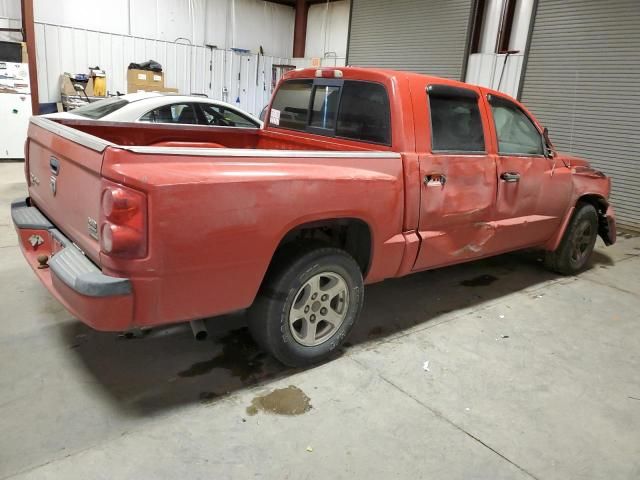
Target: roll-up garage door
[(582, 81), (425, 36)]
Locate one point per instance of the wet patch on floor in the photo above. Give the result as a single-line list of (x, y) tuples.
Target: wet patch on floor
[(282, 401), (480, 281), (377, 332), (208, 397), (240, 355)]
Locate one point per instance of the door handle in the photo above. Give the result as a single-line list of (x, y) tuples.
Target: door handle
[(510, 177), (435, 178)]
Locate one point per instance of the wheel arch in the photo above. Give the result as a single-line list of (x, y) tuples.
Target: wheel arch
[(601, 204), (351, 234)]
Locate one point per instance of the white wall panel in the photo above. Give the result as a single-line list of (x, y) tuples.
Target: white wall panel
[(485, 69), (10, 16), (169, 19), (112, 16), (226, 24), (249, 24), (187, 67), (328, 29), (521, 22), (10, 9)]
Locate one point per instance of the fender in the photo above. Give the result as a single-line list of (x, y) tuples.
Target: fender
[(606, 221)]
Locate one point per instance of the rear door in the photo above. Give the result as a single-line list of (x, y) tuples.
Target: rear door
[(64, 180), (457, 173), (532, 189)]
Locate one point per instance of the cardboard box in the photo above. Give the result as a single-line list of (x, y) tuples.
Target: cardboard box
[(144, 78), (146, 88)]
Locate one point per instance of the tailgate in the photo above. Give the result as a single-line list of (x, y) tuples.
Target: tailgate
[(63, 173)]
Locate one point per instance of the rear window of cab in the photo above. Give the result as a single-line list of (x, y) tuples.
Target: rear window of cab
[(350, 109)]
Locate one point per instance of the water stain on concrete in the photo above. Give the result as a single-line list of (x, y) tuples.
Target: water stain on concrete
[(208, 397), (282, 401), (481, 281), (240, 355), (376, 332)]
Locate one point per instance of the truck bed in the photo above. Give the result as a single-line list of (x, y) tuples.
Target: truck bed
[(195, 136), (217, 202)]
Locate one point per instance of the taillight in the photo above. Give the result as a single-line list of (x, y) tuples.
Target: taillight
[(123, 222)]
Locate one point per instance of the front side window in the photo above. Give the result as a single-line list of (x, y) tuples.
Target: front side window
[(517, 135), (351, 109), (184, 113), (456, 125)]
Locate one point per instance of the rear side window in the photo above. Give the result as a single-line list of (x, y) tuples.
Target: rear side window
[(184, 113), (456, 125), (290, 108), (349, 109), (364, 113)]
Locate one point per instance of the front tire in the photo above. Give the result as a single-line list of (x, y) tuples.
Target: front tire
[(576, 246), (309, 301)]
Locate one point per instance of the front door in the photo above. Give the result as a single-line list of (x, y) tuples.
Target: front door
[(458, 177), (532, 189)]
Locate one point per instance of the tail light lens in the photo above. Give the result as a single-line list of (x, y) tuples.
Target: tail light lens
[(123, 222)]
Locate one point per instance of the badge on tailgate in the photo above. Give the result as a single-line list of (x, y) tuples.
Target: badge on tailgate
[(92, 226)]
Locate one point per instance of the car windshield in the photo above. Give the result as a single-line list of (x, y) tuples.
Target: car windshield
[(101, 108)]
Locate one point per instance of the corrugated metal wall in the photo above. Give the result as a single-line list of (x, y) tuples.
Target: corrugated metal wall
[(426, 36), (64, 49), (582, 81)]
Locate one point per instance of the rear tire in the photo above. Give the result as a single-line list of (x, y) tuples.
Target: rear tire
[(309, 301), (576, 246)]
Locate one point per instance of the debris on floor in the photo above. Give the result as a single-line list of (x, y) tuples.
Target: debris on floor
[(425, 366), (309, 449)]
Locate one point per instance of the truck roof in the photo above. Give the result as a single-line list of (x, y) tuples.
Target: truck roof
[(368, 73)]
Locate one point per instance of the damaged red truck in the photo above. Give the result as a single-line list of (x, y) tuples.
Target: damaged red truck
[(358, 175)]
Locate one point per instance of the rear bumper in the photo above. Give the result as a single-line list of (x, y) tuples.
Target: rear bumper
[(101, 301)]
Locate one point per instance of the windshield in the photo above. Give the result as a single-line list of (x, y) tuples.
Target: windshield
[(100, 108)]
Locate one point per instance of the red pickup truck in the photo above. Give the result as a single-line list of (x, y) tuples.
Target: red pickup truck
[(358, 175)]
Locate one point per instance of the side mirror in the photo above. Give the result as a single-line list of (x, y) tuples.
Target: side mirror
[(548, 146)]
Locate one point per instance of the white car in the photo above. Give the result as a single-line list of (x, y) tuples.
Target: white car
[(151, 107)]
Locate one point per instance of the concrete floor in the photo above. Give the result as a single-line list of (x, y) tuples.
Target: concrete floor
[(530, 376)]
